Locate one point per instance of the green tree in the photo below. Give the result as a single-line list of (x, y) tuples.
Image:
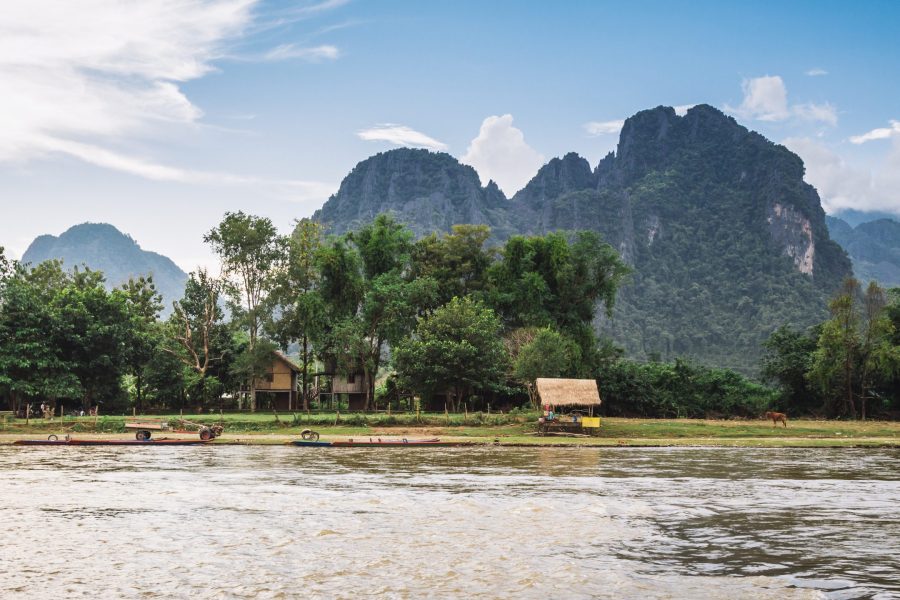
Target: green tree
[(788, 359), (879, 357), (297, 294), (548, 281), (372, 296), (198, 337), (834, 366), (94, 329), (384, 246), (32, 364), (250, 249), (457, 261), (548, 354), (164, 381), (457, 349), (144, 304)]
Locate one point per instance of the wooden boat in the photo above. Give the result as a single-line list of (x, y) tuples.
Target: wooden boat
[(381, 443), (95, 442)]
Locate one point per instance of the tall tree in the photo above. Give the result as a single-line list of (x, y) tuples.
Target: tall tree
[(372, 294), (94, 330), (788, 358), (456, 349), (557, 280), (144, 304), (836, 357), (32, 363), (297, 294), (879, 357), (250, 249), (457, 261), (198, 336)]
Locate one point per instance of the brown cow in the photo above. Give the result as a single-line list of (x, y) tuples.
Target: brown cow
[(776, 416)]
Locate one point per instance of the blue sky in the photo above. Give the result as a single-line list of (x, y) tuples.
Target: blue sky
[(159, 117)]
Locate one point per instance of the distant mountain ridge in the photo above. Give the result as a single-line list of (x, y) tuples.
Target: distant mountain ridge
[(873, 246), (102, 247), (726, 239)]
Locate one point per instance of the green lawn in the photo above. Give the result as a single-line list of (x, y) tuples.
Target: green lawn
[(508, 429)]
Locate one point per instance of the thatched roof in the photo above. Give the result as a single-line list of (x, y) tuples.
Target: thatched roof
[(568, 392)]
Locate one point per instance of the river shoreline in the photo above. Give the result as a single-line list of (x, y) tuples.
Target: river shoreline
[(615, 432)]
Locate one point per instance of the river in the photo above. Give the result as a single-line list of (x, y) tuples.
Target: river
[(284, 522)]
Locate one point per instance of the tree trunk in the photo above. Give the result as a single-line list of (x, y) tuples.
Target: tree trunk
[(137, 385), (370, 390), (253, 394), (303, 383), (848, 371)]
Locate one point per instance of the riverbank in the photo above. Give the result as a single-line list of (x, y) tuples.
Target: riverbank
[(518, 431)]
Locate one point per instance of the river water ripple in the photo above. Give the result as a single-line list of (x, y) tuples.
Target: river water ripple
[(283, 522)]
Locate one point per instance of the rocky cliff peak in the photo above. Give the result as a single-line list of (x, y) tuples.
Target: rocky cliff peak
[(429, 191), (571, 173)]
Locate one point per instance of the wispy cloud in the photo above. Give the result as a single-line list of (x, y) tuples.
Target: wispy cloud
[(597, 128), (88, 79), (766, 99), (400, 135), (816, 72), (881, 133), (311, 54)]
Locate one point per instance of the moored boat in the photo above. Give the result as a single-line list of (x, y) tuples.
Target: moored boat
[(381, 443), (98, 442)]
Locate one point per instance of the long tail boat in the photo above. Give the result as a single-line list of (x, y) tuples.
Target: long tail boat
[(381, 443), (96, 442)]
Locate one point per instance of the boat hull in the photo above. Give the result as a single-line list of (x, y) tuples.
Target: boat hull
[(381, 444), (162, 442)]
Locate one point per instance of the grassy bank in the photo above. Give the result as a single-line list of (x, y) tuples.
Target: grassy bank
[(515, 429)]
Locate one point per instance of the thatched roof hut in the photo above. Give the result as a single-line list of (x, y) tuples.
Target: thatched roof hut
[(568, 392)]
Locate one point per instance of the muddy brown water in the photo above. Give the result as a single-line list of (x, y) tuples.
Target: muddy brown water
[(284, 522)]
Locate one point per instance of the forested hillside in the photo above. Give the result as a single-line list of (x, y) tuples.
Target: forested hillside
[(874, 248), (726, 240), (102, 247)]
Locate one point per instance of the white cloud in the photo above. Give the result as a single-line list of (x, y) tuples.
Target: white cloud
[(824, 113), (104, 69), (86, 79), (766, 99), (597, 128), (816, 72), (500, 152), (311, 54), (682, 109), (882, 133), (843, 186), (400, 135)]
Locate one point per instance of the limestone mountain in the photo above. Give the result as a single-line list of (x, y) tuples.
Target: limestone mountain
[(726, 240), (426, 190), (102, 247), (874, 248)]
